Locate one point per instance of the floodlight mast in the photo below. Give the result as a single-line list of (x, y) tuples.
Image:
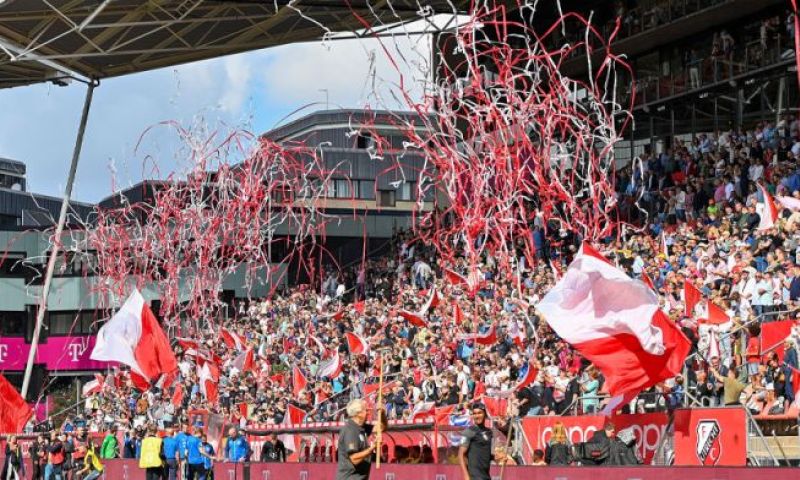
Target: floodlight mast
[(62, 218)]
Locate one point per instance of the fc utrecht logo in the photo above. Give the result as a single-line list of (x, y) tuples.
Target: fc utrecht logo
[(709, 445)]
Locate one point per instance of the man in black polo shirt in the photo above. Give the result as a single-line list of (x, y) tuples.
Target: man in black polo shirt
[(273, 450), (354, 456), (475, 453)]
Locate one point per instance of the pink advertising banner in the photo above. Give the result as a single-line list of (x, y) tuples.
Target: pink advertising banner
[(57, 353)]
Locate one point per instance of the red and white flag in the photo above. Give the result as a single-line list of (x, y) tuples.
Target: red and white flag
[(299, 381), (14, 410), (529, 378), (691, 297), (93, 386), (716, 315), (664, 247), (208, 384), (489, 337), (455, 278), (357, 344), (423, 410), (134, 338), (293, 416), (332, 367), (232, 339), (616, 323), (768, 211), (646, 280), (418, 318), (245, 361), (316, 341)]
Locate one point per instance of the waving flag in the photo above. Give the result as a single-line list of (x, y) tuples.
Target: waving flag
[(716, 315), (232, 339), (14, 411), (245, 361), (768, 211), (177, 395), (458, 314), (357, 344), (134, 338), (418, 318), (529, 378), (208, 384), (487, 338), (332, 367), (616, 323), (299, 381), (93, 386), (691, 297)]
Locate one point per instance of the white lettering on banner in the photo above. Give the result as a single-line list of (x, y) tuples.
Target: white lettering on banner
[(647, 436), (304, 475), (441, 477), (266, 474), (3, 352), (575, 434), (389, 476), (76, 350)]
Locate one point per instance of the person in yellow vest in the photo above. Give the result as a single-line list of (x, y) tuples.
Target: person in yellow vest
[(92, 468), (152, 457)]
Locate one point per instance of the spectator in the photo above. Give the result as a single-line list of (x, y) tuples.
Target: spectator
[(733, 387), (538, 458), (92, 468), (559, 450), (13, 462)]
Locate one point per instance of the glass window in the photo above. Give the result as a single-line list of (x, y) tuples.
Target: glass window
[(406, 191), (12, 324), (367, 189), (61, 323), (343, 189)]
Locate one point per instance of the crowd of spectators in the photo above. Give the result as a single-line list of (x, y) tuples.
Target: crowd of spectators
[(694, 213)]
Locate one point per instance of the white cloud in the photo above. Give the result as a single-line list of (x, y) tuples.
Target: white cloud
[(250, 91)]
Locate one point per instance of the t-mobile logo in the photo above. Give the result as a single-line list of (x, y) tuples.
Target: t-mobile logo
[(76, 350), (3, 352)]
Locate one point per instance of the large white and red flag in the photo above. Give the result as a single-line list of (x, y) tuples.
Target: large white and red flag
[(767, 211), (616, 323), (134, 338)]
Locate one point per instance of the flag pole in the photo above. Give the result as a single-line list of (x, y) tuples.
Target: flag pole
[(379, 408), (62, 218)]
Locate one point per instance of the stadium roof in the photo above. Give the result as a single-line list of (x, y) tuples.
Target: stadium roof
[(48, 40)]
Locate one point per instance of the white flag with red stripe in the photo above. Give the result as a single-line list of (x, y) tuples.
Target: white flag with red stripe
[(529, 378), (616, 323), (487, 338), (134, 338), (767, 211)]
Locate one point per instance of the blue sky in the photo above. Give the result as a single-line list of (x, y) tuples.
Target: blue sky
[(251, 91)]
